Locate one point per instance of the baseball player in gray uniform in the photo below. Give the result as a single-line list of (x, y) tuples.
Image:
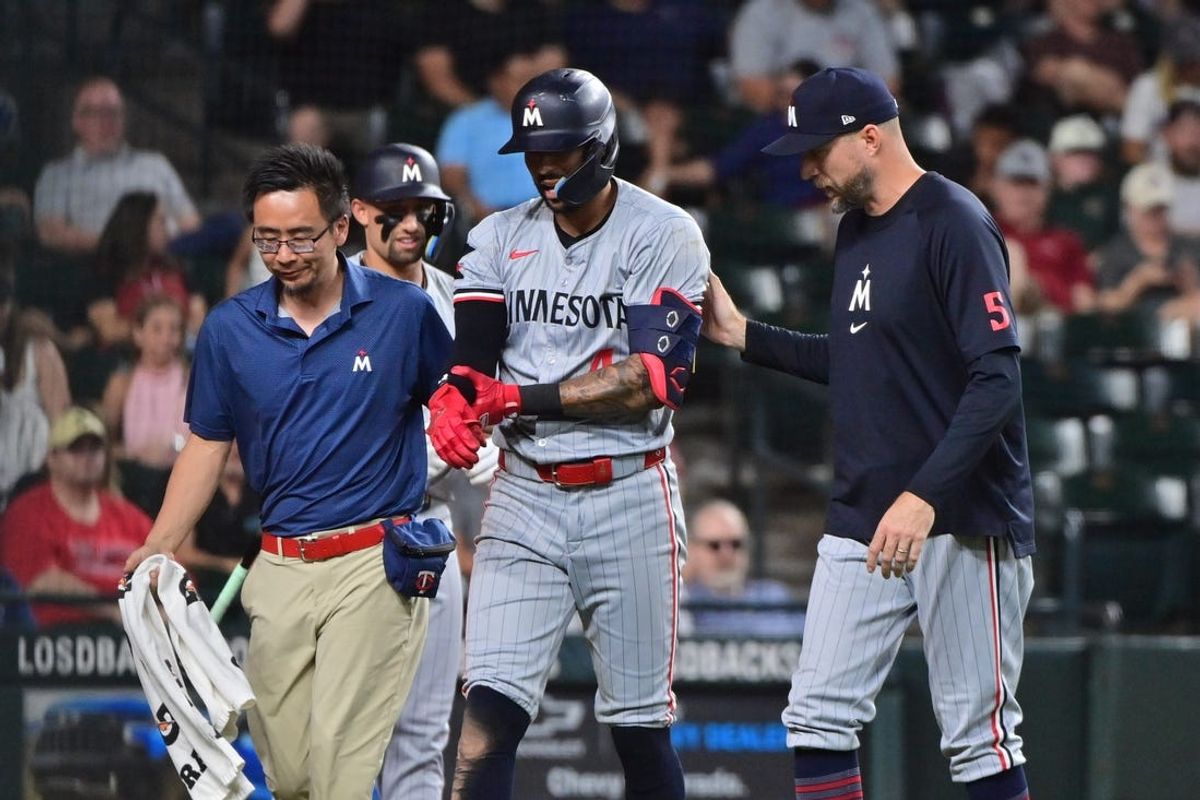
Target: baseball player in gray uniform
[(398, 199), (585, 301)]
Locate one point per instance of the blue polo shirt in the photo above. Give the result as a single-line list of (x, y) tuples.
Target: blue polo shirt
[(330, 426)]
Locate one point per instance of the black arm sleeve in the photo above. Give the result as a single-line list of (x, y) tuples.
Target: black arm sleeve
[(480, 329), (992, 396), (805, 355)]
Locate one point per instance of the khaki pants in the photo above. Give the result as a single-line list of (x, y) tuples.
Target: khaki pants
[(333, 651)]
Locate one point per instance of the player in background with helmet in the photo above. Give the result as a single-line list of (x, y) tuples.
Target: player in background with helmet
[(585, 301), (931, 478), (397, 197)]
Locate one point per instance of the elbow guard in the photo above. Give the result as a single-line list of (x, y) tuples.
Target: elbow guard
[(664, 333)]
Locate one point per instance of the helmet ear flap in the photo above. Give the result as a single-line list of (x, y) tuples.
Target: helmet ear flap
[(437, 226)]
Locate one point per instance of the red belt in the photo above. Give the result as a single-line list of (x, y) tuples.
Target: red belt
[(329, 546), (596, 472)]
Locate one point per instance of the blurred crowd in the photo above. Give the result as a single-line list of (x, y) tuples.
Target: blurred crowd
[(1076, 121)]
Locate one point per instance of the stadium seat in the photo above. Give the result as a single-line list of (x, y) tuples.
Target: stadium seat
[(1128, 540), (1129, 338), (1077, 389)]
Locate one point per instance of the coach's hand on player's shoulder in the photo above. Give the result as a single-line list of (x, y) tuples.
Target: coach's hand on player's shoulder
[(897, 543), (722, 324), (454, 429)]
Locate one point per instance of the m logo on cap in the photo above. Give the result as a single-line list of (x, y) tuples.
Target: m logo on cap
[(532, 115), (847, 119), (411, 171), (791, 116)]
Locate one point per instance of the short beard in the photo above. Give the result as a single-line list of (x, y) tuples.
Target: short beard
[(403, 262), (300, 291), (856, 193)]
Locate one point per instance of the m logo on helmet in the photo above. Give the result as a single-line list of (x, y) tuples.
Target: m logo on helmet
[(411, 171), (791, 116), (532, 116)]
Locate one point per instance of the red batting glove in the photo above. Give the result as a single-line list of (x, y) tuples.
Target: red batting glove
[(493, 400), (453, 428)]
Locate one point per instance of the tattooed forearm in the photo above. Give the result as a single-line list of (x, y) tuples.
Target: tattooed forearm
[(617, 390)]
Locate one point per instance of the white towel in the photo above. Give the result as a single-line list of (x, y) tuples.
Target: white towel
[(206, 763)]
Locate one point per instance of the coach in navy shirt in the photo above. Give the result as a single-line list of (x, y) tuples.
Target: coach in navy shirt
[(931, 479), (319, 374)]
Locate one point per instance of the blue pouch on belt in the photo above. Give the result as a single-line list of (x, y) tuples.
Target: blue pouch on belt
[(414, 555)]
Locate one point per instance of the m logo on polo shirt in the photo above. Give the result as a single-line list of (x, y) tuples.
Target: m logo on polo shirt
[(362, 362)]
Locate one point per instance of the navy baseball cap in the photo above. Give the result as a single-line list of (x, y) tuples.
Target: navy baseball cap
[(834, 101)]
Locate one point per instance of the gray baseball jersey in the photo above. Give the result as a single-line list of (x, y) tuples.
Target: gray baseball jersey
[(566, 308), (612, 553)]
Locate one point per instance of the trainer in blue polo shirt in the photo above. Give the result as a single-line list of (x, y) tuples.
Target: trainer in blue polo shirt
[(329, 425), (931, 477), (319, 374)]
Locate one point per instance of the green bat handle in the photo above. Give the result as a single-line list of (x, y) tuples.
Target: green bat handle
[(233, 585)]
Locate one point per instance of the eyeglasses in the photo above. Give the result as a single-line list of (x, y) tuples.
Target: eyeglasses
[(300, 246), (716, 544)]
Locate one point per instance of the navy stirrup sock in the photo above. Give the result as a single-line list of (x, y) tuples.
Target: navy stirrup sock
[(652, 768), (1007, 785), (827, 774), (490, 777)]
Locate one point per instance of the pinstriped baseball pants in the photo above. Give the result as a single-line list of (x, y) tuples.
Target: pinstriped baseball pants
[(969, 596), (613, 553)]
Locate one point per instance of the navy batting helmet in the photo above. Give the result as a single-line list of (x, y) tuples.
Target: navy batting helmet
[(400, 171), (561, 110)]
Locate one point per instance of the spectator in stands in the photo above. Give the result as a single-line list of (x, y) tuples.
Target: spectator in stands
[(1182, 138), (769, 35), (1151, 94), (1080, 64), (339, 58), (1144, 266), (1057, 259), (974, 166), (14, 202), (654, 56), (743, 157), (771, 180), (133, 263), (463, 38), (75, 195), (33, 386), (716, 573), (145, 404), (70, 535), (1084, 199), (478, 178)]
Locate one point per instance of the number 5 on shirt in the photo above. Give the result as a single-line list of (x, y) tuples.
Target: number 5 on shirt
[(994, 302)]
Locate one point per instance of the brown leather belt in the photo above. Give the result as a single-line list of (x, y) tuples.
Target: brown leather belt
[(329, 545), (595, 472)]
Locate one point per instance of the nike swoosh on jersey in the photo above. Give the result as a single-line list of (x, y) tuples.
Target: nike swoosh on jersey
[(858, 327), (515, 254)]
